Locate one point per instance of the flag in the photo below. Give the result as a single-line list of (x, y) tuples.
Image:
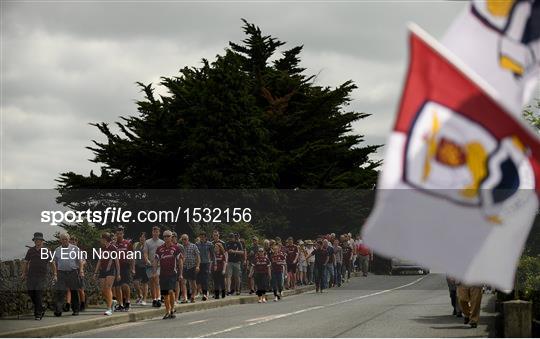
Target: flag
[(500, 41), (457, 190)]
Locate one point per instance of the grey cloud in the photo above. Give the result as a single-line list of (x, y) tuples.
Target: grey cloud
[(68, 64), (343, 27), (21, 218)]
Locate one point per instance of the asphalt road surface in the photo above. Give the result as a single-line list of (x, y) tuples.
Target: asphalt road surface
[(376, 306)]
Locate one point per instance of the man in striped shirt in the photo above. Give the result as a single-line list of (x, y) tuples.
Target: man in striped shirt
[(192, 261)]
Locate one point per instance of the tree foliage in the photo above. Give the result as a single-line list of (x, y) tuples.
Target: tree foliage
[(532, 114), (252, 118)]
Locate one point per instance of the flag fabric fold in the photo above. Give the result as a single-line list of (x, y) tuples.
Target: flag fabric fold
[(500, 41)]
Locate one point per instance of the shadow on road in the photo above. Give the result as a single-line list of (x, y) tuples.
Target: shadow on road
[(457, 323), (438, 319), (457, 327)]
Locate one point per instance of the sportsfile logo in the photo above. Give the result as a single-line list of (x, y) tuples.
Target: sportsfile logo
[(120, 215)]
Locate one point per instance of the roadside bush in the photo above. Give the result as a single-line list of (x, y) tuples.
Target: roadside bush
[(246, 231), (528, 281)]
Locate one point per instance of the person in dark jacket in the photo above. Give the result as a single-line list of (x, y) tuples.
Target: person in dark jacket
[(452, 288), (321, 260), (34, 271)]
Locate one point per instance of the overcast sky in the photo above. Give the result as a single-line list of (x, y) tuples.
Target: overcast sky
[(67, 64)]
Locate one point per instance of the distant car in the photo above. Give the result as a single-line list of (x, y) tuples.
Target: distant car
[(402, 265)]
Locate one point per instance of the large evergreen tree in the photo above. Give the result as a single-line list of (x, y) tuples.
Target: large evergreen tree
[(241, 121)]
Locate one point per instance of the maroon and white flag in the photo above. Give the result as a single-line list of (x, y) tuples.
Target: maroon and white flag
[(458, 191)]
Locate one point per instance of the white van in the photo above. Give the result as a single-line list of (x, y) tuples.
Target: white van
[(402, 265)]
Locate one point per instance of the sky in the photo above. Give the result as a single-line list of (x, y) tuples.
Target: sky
[(66, 64)]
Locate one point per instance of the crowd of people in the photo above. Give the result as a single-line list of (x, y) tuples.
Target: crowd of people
[(171, 269)]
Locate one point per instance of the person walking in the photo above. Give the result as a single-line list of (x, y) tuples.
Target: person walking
[(321, 260), (218, 270), (122, 290), (310, 261), (470, 299), (192, 261), (338, 255), (179, 282), (356, 260), (82, 295), (70, 271), (169, 258), (301, 274), (329, 277), (260, 270), (216, 238), (452, 288), (150, 247), (140, 279), (291, 250), (364, 255), (107, 271), (267, 247), (347, 259), (278, 268), (206, 250), (234, 267), (243, 264), (251, 253), (34, 271)]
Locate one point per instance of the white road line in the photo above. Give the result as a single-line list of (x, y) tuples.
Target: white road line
[(198, 322), (376, 293), (261, 318), (279, 316)]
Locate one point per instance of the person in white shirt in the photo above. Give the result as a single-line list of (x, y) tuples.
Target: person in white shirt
[(151, 245), (310, 261)]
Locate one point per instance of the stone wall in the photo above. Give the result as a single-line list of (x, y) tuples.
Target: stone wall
[(15, 301)]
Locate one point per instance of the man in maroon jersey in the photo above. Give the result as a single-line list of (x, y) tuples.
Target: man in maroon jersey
[(171, 263), (291, 250), (122, 291), (278, 260)]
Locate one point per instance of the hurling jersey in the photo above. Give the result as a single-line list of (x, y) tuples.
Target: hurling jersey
[(219, 262), (362, 249), (278, 260), (347, 253), (261, 263), (292, 251), (321, 255), (123, 246), (168, 259), (107, 264)]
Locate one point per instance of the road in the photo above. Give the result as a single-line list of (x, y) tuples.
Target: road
[(376, 306)]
